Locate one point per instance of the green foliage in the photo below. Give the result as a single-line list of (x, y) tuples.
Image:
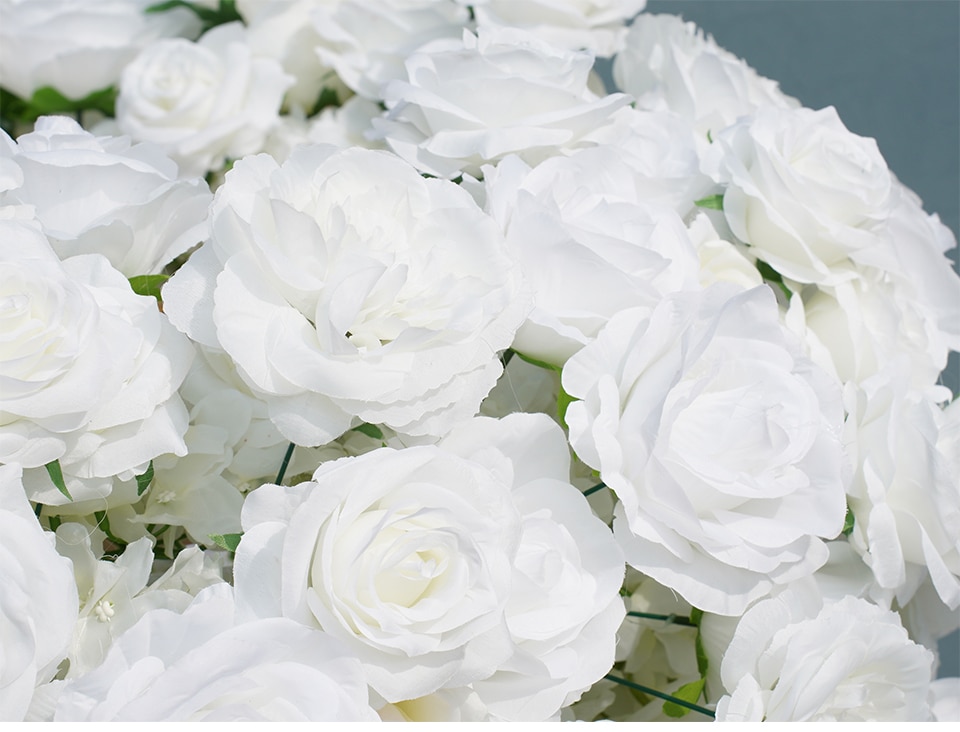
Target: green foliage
[(689, 693), (714, 202), (144, 480), (47, 100), (328, 98), (541, 364), (774, 278), (564, 400), (149, 285), (226, 12), (370, 430), (848, 523), (56, 475), (230, 542)]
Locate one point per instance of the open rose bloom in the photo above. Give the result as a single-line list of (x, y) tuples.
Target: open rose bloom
[(371, 360)]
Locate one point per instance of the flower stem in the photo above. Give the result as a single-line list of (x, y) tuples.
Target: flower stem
[(284, 464), (591, 491), (675, 619), (661, 695)]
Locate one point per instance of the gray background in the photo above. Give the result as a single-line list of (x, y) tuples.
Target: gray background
[(892, 70)]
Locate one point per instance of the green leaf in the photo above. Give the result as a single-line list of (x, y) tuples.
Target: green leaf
[(564, 400), (55, 522), (848, 522), (370, 430), (772, 277), (541, 364), (225, 12), (230, 542), (715, 202), (47, 100), (328, 98), (688, 692), (149, 285), (144, 480), (56, 475), (709, 137)]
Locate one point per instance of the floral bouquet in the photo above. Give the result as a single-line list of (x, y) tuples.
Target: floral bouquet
[(371, 360)]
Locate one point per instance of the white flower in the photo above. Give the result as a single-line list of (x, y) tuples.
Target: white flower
[(89, 370), (344, 285), (283, 30), (503, 91), (805, 193), (667, 63), (202, 665), (366, 41), (468, 562), (905, 495), (795, 658), (596, 25), (38, 604), (587, 244), (720, 440), (103, 195), (78, 46), (564, 608), (404, 555), (202, 102)]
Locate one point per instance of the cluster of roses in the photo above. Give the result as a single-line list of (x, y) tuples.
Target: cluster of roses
[(486, 395)]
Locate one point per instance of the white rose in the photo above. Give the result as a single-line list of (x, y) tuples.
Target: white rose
[(855, 329), (805, 193), (38, 604), (78, 46), (345, 285), (366, 41), (905, 495), (661, 149), (103, 195), (283, 30), (596, 25), (404, 555), (795, 658), (587, 244), (477, 100), (667, 63), (202, 102), (89, 371), (343, 126), (564, 608), (472, 561), (720, 440), (202, 665)]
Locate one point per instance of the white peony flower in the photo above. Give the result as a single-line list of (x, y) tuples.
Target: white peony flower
[(202, 102), (38, 603), (202, 665), (795, 658), (345, 286), (470, 562), (366, 41), (473, 101), (607, 250), (103, 195), (79, 46), (720, 440), (807, 195), (89, 371), (596, 25), (668, 64)]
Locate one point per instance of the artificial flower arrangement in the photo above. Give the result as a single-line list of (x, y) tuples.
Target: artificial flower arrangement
[(369, 360)]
